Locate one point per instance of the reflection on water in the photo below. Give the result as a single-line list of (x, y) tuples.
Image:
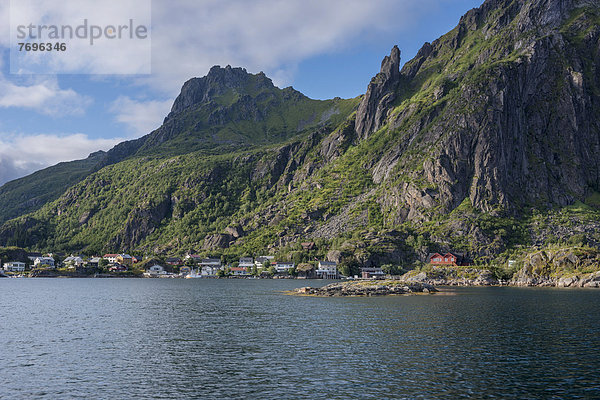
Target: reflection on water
[(243, 339)]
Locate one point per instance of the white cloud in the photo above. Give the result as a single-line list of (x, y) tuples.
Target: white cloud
[(21, 155), (141, 117), (44, 96), (268, 35)]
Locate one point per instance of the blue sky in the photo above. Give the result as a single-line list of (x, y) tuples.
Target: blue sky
[(322, 48)]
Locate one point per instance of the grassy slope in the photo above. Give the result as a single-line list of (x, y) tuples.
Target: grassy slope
[(28, 194)]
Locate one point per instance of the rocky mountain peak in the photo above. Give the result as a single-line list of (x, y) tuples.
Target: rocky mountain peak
[(216, 83), (381, 92), (390, 65)]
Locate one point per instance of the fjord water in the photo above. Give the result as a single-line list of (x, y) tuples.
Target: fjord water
[(243, 339)]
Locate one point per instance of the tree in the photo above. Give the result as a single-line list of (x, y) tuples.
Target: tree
[(190, 262), (103, 262), (349, 267), (391, 269)]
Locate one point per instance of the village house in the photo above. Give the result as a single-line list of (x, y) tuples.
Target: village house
[(33, 256), (39, 261), (211, 262), (371, 272), (173, 261), (14, 266), (156, 270), (283, 267), (194, 257), (246, 262), (125, 259), (93, 262), (239, 271), (117, 268), (111, 258), (327, 270), (449, 259), (308, 246), (262, 260), (73, 261), (208, 270)]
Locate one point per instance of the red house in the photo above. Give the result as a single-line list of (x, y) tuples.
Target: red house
[(454, 259)]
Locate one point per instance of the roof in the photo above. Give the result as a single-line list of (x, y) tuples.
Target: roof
[(238, 268), (327, 263), (246, 259), (110, 255), (211, 260), (172, 259), (125, 255)]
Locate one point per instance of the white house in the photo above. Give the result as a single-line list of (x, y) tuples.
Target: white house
[(284, 266), (246, 262), (49, 261), (211, 262), (327, 270), (111, 258), (261, 261), (73, 261), (14, 266), (239, 271), (156, 270), (208, 270), (33, 256)]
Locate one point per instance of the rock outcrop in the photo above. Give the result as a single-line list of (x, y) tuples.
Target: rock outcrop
[(571, 267), (367, 288)]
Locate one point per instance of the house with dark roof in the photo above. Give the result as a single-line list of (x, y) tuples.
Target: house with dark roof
[(173, 260)]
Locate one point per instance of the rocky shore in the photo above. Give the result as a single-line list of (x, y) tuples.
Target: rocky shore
[(571, 267), (366, 288), (452, 276)]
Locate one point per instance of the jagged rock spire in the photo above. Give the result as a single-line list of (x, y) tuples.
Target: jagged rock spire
[(380, 92)]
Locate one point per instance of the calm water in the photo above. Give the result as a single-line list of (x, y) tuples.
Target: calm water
[(241, 339)]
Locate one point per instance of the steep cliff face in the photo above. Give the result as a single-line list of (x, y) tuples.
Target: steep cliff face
[(502, 110)]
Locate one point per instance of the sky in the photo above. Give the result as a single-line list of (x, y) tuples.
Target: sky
[(68, 106)]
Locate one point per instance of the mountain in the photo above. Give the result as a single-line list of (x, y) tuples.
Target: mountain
[(225, 110), (485, 143)]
